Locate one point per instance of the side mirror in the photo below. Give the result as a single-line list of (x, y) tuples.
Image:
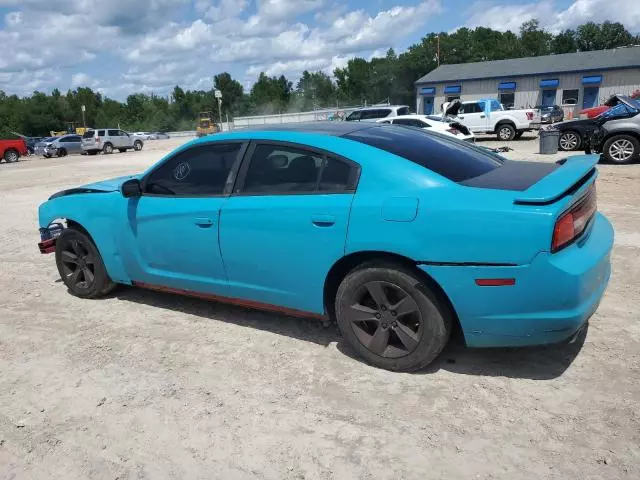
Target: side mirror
[(131, 188)]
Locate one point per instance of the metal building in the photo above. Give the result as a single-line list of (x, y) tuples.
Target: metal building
[(572, 80)]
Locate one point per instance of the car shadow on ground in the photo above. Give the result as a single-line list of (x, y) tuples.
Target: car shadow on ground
[(309, 330), (535, 363)]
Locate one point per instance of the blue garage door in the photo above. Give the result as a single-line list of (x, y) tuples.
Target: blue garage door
[(590, 98), (427, 105), (548, 97)]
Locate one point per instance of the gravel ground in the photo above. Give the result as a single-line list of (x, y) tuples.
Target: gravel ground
[(148, 385)]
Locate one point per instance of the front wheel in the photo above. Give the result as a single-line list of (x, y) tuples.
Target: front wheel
[(62, 152), (391, 318), (137, 145), (569, 141), (506, 132), (80, 265), (621, 149)]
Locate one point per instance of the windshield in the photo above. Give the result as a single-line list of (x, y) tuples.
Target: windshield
[(620, 110)]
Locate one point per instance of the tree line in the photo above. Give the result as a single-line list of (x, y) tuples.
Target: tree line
[(389, 78)]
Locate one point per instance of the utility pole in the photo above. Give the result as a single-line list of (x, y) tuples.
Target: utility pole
[(218, 95), (83, 108), (438, 54)]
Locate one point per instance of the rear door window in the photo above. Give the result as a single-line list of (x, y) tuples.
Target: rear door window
[(101, 133), (455, 160), (113, 133), (276, 169)]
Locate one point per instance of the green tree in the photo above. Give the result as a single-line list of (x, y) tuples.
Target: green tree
[(534, 41), (232, 92)]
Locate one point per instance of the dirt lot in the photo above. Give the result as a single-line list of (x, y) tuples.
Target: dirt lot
[(149, 385)]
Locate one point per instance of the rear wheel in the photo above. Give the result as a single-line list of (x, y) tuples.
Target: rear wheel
[(107, 149), (391, 318), (621, 149), (506, 132), (11, 156), (137, 145), (569, 141), (80, 265), (62, 152)]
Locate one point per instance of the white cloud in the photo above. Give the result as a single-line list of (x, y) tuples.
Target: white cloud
[(509, 17)]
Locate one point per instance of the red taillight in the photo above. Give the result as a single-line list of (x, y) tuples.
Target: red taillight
[(97, 139), (573, 223), (453, 130), (529, 115)]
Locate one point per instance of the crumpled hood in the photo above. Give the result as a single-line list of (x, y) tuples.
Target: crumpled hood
[(103, 186)]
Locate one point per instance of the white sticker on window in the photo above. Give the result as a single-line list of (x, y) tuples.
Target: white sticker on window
[(181, 171)]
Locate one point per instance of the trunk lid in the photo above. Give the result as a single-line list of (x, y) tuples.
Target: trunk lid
[(572, 174)]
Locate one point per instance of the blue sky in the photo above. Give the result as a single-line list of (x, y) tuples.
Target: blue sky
[(122, 46)]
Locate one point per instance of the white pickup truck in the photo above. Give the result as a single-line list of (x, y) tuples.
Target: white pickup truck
[(489, 116)]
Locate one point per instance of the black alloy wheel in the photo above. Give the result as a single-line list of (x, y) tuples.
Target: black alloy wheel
[(391, 318), (385, 319), (80, 265)]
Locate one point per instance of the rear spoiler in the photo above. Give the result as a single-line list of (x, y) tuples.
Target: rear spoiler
[(573, 173)]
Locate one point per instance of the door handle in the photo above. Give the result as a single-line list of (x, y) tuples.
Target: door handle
[(483, 116), (204, 222), (323, 220)]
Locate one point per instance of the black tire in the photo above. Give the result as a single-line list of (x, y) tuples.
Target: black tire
[(621, 149), (407, 341), (122, 150), (80, 265), (518, 134), (569, 141), (107, 149), (505, 132), (11, 155), (137, 145), (62, 152)]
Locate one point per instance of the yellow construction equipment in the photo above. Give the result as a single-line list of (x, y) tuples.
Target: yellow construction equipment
[(71, 128), (205, 125)]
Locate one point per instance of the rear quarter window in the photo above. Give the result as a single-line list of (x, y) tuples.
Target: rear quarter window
[(455, 160), (88, 134), (403, 111)]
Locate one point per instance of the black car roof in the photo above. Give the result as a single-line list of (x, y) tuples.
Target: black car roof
[(335, 129)]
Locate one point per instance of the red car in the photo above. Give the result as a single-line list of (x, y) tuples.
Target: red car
[(593, 112), (12, 150)]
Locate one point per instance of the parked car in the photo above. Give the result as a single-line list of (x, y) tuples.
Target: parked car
[(160, 135), (550, 113), (39, 147), (371, 114), (62, 146), (578, 134), (31, 143), (593, 112), (12, 149), (490, 116), (618, 138), (451, 129), (396, 233), (143, 135), (106, 140)]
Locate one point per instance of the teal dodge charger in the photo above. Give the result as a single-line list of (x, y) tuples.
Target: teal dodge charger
[(397, 234)]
